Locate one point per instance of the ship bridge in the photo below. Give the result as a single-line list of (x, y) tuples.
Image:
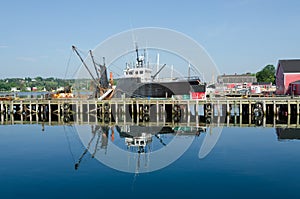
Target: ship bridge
[(143, 73)]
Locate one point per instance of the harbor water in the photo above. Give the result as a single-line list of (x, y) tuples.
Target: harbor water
[(43, 161)]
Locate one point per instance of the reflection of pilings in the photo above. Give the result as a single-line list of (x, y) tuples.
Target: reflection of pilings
[(116, 112), (235, 120)]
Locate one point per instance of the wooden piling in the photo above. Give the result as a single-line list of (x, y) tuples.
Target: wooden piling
[(240, 108), (227, 108), (157, 112), (49, 107), (274, 108), (250, 108), (1, 107), (264, 108), (297, 104)]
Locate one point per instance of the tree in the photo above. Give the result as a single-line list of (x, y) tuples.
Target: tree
[(267, 74), (38, 79)]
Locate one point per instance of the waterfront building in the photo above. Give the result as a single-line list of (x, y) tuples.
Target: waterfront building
[(288, 72), (236, 79)]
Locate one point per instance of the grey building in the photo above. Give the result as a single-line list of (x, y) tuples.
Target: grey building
[(236, 79)]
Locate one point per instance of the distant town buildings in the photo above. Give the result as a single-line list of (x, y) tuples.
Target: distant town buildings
[(236, 79), (245, 83), (236, 82)]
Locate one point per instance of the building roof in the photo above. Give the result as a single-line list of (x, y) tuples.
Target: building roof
[(296, 82), (261, 83), (290, 66)]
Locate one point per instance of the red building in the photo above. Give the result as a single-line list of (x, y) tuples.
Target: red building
[(288, 71), (294, 88)]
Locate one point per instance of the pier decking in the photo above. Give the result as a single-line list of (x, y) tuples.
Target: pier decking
[(221, 111)]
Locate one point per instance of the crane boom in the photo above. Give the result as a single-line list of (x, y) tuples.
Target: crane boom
[(153, 77), (97, 73), (95, 81)]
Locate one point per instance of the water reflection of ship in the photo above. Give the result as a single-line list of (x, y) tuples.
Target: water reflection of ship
[(136, 138), (139, 142), (140, 136), (288, 133)]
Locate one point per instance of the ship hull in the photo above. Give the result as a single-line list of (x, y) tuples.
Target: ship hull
[(133, 87)]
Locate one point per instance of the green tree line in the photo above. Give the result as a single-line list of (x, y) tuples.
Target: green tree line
[(38, 82)]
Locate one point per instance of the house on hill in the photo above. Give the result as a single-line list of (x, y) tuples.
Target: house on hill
[(288, 72)]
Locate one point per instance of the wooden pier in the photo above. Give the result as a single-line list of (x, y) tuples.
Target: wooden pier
[(222, 111)]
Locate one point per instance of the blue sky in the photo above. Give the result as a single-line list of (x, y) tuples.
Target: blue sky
[(240, 35)]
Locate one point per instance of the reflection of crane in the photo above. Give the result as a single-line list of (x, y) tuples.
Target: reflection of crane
[(85, 151), (102, 134), (160, 140)]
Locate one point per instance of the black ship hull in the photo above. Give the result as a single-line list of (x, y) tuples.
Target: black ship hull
[(134, 88)]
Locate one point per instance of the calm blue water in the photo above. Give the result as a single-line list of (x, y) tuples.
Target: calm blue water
[(245, 163)]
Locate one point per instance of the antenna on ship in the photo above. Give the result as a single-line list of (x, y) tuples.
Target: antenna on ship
[(139, 59), (145, 58), (157, 63), (172, 72), (189, 71), (137, 53)]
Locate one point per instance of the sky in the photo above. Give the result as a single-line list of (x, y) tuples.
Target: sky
[(239, 35)]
